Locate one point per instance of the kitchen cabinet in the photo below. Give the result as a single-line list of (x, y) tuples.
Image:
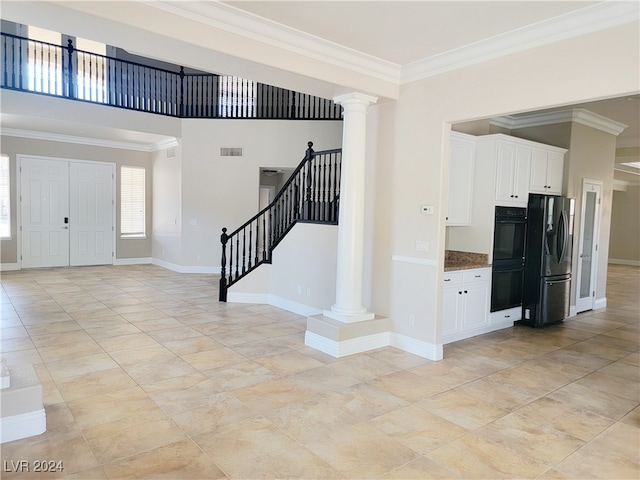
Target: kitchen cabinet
[(465, 307), (513, 166), (461, 167), (547, 168)]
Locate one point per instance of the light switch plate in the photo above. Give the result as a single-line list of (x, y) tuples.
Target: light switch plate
[(422, 246)]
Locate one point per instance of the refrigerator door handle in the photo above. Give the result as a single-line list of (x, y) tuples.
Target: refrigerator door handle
[(562, 237)]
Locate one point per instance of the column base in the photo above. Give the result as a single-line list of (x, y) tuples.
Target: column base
[(349, 317), (339, 339)]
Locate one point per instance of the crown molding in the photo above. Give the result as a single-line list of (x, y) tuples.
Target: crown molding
[(94, 142), (580, 22), (249, 25), (578, 115)]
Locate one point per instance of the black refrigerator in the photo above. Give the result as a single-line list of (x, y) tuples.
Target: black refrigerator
[(547, 260)]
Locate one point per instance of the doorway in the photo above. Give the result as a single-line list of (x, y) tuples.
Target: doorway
[(588, 245), (67, 212)]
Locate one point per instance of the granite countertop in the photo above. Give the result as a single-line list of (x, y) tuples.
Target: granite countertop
[(456, 260)]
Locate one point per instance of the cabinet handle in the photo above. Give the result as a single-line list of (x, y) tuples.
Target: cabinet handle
[(447, 279), (507, 316), (459, 293), (511, 196), (465, 291), (516, 196), (478, 276)]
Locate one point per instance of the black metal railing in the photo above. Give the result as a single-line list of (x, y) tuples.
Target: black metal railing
[(64, 71), (311, 195)]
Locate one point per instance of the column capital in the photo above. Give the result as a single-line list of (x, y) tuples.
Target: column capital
[(355, 98)]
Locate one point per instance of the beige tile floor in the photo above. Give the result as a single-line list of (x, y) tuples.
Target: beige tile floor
[(147, 375)]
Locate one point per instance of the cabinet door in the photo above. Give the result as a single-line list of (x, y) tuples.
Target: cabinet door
[(460, 182), (476, 305), (522, 175), (538, 182), (505, 172), (451, 310), (555, 170)]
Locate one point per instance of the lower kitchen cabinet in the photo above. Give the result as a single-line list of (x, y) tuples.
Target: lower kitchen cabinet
[(466, 300)]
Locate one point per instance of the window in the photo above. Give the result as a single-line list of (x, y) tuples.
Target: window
[(132, 202), (44, 61), (5, 198)]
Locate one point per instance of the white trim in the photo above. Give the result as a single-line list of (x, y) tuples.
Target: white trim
[(430, 351), (600, 303), (6, 267), (414, 260), (274, 300), (572, 311), (476, 331), (186, 269), (346, 347), (15, 427), (622, 261), (133, 261), (237, 21), (578, 115), (573, 24), (94, 142)]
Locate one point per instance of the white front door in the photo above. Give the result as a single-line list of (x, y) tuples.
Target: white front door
[(44, 191), (91, 213), (67, 212), (588, 246)]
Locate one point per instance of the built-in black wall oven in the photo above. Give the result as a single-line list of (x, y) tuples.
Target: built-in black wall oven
[(508, 257)]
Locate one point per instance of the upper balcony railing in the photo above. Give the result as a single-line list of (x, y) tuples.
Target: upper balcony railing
[(64, 71)]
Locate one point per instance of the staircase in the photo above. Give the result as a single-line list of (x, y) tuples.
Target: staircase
[(311, 195)]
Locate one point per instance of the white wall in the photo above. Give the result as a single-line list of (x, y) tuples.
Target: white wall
[(220, 191), (302, 274), (553, 75)]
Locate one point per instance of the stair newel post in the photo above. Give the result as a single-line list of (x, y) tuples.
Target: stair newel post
[(223, 262), (308, 157), (70, 74)]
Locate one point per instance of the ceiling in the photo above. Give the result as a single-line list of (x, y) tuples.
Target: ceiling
[(397, 32)]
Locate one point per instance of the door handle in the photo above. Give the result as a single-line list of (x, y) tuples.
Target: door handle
[(584, 256), (65, 227)]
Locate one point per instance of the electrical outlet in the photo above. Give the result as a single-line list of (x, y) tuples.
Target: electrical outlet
[(422, 246), (308, 292), (428, 209), (412, 320)]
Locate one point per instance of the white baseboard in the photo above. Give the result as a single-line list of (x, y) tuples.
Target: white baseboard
[(477, 331), (23, 425), (600, 303), (133, 261), (6, 267), (573, 311), (186, 268), (346, 347), (276, 301), (417, 347), (620, 261)]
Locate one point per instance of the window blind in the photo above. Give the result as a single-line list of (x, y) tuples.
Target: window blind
[(132, 201)]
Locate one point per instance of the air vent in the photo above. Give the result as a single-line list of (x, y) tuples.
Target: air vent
[(230, 151)]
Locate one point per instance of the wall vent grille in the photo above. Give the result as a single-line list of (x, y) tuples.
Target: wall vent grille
[(230, 151)]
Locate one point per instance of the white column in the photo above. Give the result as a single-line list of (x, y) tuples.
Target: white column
[(348, 307)]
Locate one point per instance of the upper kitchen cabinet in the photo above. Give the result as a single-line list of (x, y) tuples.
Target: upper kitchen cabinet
[(520, 166), (512, 174), (547, 167), (461, 167)]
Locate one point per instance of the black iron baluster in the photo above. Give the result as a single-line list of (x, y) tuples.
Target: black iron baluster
[(21, 65), (257, 244), (250, 245), (5, 69), (237, 254), (181, 91), (264, 237), (324, 187), (244, 252)]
